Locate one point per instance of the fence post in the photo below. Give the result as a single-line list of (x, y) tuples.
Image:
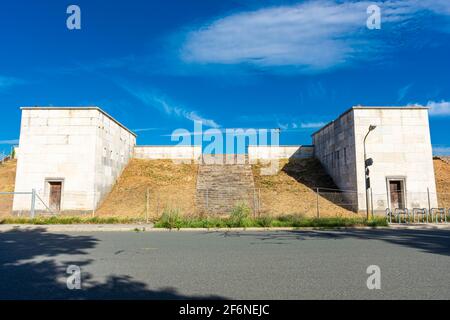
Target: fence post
[(254, 203), (157, 205), (94, 206), (429, 203), (259, 202), (33, 202), (146, 205), (317, 203)]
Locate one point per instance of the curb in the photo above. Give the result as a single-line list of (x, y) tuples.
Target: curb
[(77, 227), (150, 228), (424, 226)]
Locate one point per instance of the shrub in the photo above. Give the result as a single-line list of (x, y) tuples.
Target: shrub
[(265, 221), (170, 219), (239, 216)]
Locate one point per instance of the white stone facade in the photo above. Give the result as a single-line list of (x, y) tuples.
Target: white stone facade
[(256, 153), (84, 149), (400, 147), (193, 153)]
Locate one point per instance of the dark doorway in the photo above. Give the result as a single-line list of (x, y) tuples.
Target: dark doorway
[(397, 194), (55, 195)]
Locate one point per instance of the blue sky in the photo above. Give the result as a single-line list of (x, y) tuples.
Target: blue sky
[(158, 65)]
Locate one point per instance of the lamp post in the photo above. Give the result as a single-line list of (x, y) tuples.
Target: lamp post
[(366, 170)]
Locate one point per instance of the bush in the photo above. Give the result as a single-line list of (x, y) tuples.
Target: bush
[(239, 216), (170, 219), (265, 221)]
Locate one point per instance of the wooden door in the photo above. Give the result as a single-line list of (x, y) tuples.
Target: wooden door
[(396, 194), (55, 195)]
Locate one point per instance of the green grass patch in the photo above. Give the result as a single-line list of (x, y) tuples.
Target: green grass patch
[(238, 221), (238, 218), (39, 220)]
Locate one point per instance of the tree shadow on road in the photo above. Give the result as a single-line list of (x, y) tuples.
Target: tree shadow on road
[(29, 269), (431, 241)]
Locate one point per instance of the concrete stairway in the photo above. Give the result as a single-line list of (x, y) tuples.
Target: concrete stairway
[(220, 187)]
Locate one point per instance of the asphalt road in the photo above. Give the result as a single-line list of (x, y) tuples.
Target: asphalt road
[(414, 264)]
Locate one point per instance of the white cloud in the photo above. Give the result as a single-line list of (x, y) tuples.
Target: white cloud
[(313, 35), (280, 36), (162, 104), (441, 108)]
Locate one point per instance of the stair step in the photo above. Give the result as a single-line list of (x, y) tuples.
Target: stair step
[(220, 187)]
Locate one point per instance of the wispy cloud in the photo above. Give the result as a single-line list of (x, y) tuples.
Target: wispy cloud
[(6, 82), (312, 125), (165, 106), (12, 142), (441, 151), (232, 131), (300, 126), (403, 91), (128, 61), (145, 129), (441, 108), (296, 35)]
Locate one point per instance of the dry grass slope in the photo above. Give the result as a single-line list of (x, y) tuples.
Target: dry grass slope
[(7, 180), (7, 176), (442, 175), (291, 191), (170, 186)]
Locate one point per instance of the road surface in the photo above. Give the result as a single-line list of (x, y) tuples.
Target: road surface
[(414, 264)]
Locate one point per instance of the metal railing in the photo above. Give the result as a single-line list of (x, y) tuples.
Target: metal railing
[(28, 204), (423, 215)]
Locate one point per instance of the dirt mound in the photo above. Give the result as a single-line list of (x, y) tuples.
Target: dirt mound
[(292, 190), (442, 173), (442, 176), (7, 181), (169, 185), (7, 175)]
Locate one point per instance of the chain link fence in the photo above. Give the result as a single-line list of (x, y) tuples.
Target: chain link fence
[(23, 204), (324, 202), (149, 204)]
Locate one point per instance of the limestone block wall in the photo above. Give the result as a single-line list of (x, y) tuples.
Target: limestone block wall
[(400, 147), (334, 146), (168, 152), (114, 148), (66, 144), (256, 153)]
